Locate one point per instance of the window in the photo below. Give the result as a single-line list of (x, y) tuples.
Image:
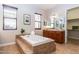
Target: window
[(52, 22), (9, 18), (37, 21)]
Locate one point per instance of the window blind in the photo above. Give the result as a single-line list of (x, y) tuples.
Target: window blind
[(10, 17)]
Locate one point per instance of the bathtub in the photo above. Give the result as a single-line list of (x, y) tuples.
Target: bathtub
[(36, 44), (36, 40)]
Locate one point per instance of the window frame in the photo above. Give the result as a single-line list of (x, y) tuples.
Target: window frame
[(9, 17), (38, 22)]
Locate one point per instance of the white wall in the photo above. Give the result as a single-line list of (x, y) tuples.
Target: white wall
[(61, 10), (7, 36)]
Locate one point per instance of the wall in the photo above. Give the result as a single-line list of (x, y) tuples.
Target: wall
[(7, 36), (73, 13), (74, 22), (61, 10)]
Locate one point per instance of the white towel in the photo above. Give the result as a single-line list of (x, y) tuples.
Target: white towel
[(32, 33)]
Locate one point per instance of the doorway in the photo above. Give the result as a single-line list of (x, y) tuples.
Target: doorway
[(73, 25)]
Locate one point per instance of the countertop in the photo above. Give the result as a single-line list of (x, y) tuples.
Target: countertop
[(54, 29)]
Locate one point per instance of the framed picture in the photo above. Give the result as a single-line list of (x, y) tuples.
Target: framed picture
[(45, 23), (27, 19)]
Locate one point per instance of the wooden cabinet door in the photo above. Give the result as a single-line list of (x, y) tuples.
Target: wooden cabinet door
[(60, 37), (53, 35), (45, 33)]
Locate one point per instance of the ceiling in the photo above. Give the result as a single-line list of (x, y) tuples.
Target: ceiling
[(46, 6), (42, 6)]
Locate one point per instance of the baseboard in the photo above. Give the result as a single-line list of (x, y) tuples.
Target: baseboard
[(1, 45), (74, 38)]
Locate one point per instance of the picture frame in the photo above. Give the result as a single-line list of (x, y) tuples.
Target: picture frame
[(45, 23), (27, 19)]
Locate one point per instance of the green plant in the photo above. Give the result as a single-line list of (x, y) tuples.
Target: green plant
[(22, 30)]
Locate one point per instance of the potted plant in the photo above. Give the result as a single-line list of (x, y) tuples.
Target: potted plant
[(22, 30)]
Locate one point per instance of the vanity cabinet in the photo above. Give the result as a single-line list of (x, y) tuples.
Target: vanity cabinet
[(58, 36)]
